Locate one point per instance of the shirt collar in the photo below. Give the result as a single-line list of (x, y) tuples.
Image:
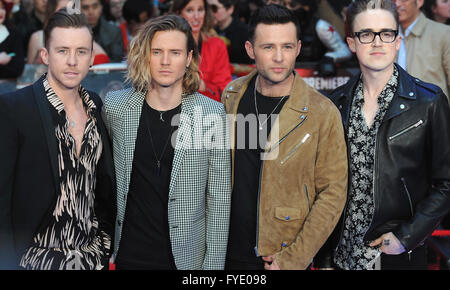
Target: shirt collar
[(392, 83), (56, 102), (409, 29)]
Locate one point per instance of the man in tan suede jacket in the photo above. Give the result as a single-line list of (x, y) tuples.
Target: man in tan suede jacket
[(288, 152)]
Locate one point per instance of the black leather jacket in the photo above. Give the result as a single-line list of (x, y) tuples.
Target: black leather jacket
[(412, 164)]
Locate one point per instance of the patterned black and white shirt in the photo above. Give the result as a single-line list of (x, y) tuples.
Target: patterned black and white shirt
[(70, 238), (353, 253)]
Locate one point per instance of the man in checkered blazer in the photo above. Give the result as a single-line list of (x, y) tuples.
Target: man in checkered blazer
[(171, 158)]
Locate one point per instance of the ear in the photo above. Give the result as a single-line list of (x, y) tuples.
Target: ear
[(299, 47), (44, 55), (351, 44), (398, 42), (189, 58), (230, 10), (249, 49), (420, 3)]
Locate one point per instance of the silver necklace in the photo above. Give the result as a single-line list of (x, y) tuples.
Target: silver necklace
[(161, 115), (256, 107), (71, 123)]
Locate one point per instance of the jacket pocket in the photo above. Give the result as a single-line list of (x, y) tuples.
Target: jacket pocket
[(287, 213), (417, 124), (408, 195), (289, 155)]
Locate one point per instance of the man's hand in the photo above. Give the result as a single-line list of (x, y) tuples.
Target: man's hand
[(390, 245), (271, 263)]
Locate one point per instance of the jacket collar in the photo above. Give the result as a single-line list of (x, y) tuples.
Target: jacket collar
[(298, 100), (406, 93), (48, 127), (419, 28), (293, 113)]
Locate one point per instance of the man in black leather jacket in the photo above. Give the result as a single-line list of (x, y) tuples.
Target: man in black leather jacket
[(398, 136)]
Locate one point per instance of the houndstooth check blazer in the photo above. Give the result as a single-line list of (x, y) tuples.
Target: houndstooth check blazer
[(200, 184)]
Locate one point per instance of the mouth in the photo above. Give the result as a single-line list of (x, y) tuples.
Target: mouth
[(278, 69), (71, 74), (377, 53)]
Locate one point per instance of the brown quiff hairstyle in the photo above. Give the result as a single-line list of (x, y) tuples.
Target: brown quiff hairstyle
[(63, 19), (140, 47), (359, 6)]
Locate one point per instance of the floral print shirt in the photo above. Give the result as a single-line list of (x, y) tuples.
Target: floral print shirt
[(352, 252)]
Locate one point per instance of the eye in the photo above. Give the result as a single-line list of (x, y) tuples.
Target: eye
[(62, 51)]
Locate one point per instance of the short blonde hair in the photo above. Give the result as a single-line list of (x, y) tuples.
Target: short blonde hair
[(139, 53)]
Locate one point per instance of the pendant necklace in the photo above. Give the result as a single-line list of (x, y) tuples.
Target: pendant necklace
[(256, 107), (158, 160)]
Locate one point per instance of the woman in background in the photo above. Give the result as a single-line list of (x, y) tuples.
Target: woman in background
[(437, 10), (11, 49), (215, 69)]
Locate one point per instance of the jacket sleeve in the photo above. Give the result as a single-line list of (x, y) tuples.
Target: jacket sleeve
[(218, 197), (8, 155), (116, 48), (446, 60), (221, 74), (430, 211), (331, 186), (17, 63), (105, 195)]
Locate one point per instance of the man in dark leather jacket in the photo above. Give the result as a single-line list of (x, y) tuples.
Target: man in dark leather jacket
[(398, 136)]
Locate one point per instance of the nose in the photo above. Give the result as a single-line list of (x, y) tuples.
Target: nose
[(165, 59), (278, 55), (377, 41), (72, 59)]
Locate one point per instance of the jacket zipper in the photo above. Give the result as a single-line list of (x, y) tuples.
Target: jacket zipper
[(259, 183), (289, 133), (409, 196), (257, 209), (406, 130), (410, 207), (295, 148), (307, 197)]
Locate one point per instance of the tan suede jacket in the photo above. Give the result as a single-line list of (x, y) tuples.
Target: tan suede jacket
[(303, 189)]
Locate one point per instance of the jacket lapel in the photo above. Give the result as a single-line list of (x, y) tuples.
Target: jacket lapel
[(184, 138), (293, 114), (402, 99), (130, 125), (48, 126)]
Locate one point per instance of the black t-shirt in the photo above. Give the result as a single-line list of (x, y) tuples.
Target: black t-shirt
[(247, 167), (237, 34), (145, 242)]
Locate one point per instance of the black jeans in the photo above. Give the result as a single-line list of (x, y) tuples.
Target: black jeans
[(417, 260)]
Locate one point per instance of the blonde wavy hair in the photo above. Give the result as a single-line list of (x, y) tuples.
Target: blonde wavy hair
[(139, 53)]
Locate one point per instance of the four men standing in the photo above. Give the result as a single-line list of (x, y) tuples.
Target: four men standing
[(274, 198)]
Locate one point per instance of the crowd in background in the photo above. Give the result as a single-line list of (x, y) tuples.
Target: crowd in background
[(221, 35)]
